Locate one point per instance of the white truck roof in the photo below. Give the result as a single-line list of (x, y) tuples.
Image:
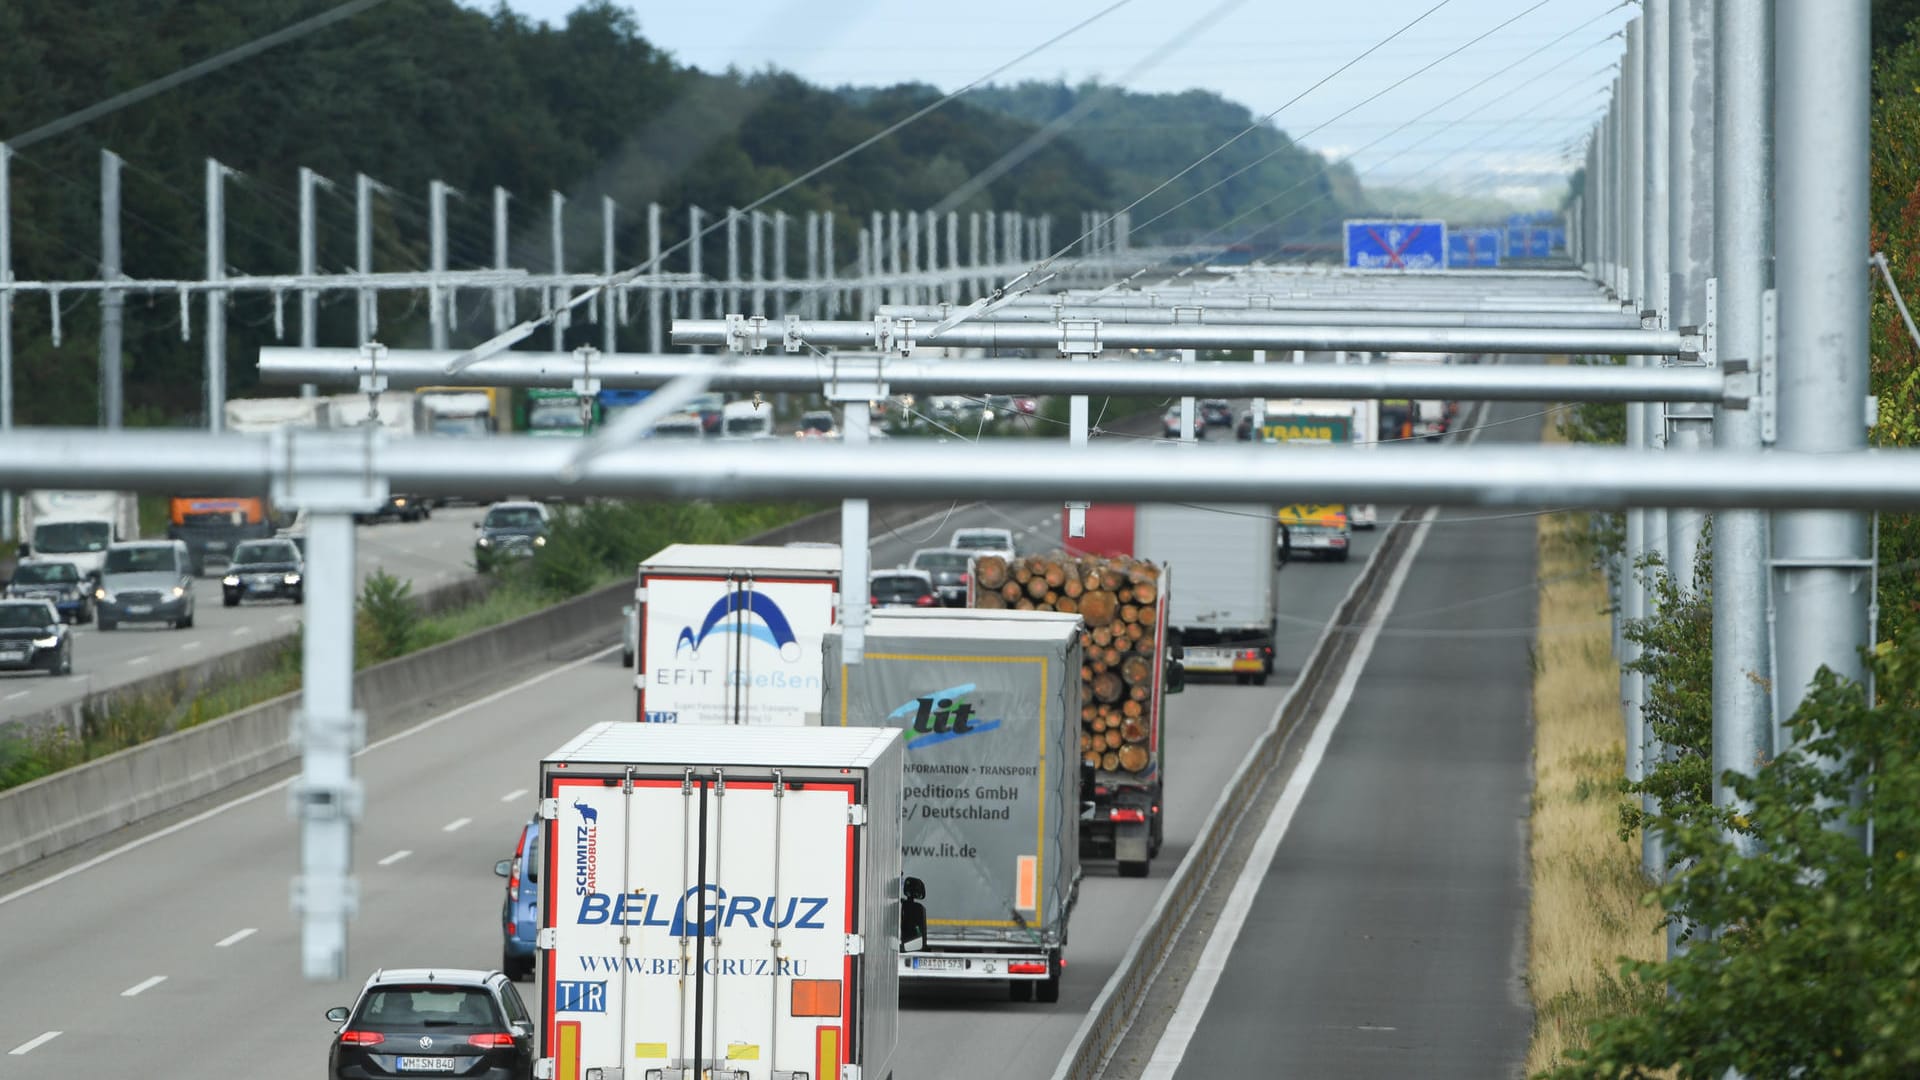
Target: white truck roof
[(986, 626), (265, 414), (710, 744), (732, 556)]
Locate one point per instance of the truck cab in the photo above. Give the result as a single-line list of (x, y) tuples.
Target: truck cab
[(746, 420), (211, 526), (1323, 531)]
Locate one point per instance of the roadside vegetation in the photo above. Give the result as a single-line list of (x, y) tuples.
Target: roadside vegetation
[(589, 547)]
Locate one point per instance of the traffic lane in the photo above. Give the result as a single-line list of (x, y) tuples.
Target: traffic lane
[(1035, 527), (1211, 727), (162, 909), (1387, 937), (431, 553)]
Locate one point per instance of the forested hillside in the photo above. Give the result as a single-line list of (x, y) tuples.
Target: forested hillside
[(415, 90), (1278, 190)]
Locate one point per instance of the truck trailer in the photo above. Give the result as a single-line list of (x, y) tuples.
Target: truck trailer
[(77, 526), (730, 633), (719, 902), (991, 704)]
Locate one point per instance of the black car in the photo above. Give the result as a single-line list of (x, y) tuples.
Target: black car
[(1216, 412), (902, 588), (264, 570), (32, 637), (397, 508), (950, 569), (446, 1021), (511, 530), (62, 583)]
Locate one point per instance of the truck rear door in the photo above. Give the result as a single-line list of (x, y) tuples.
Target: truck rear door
[(702, 915)]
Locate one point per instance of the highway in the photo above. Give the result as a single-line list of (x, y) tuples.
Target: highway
[(430, 553), (203, 908)]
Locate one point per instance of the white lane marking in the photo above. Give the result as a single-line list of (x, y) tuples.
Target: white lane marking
[(143, 986), (196, 819), (34, 1043), (24, 693), (511, 796), (242, 630), (456, 824), (190, 645), (1180, 1030), (236, 937), (395, 857), (139, 660)]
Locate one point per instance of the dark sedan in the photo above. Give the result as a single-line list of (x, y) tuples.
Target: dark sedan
[(61, 583), (902, 588), (32, 638), (446, 1021), (264, 570), (950, 568), (1216, 412)]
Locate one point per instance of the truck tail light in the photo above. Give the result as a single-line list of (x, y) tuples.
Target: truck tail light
[(362, 1038), (1027, 967), (1135, 816), (498, 1039)]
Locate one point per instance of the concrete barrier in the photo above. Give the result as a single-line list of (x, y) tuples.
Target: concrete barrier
[(1120, 999), (90, 800)]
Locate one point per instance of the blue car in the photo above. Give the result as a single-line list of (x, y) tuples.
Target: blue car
[(520, 916)]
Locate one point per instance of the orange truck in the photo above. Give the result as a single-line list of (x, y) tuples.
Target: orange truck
[(213, 525)]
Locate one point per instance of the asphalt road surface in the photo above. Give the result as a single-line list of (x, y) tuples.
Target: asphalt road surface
[(179, 957), (431, 553)]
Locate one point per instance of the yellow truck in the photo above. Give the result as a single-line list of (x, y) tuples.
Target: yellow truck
[(1323, 531)]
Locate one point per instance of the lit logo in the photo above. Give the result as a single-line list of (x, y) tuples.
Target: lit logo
[(939, 717), (586, 849), (571, 995), (741, 612)]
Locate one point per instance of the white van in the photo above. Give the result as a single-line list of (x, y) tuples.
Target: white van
[(746, 420)]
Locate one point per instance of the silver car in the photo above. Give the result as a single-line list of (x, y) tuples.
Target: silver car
[(145, 581)]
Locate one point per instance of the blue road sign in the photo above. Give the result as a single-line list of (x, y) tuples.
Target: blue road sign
[(1397, 245), (1473, 247)]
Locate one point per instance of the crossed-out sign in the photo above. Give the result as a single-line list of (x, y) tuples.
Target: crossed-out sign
[(1396, 245), (1473, 247)]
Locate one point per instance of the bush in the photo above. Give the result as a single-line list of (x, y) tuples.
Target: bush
[(387, 620)]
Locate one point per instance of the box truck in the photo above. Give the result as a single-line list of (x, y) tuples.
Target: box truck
[(720, 902), (991, 707), (252, 416), (730, 633), (77, 526)]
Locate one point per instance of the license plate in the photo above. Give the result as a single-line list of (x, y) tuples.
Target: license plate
[(216, 545), (12, 656), (1208, 656), (264, 581), (937, 963), (425, 1064), (139, 609)]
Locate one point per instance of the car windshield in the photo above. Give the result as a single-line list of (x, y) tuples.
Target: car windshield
[(677, 429), (939, 561), (980, 541), (263, 551), (463, 426), (748, 425), (18, 616), (45, 574), (817, 422), (900, 587), (513, 517), (140, 560), (59, 537), (550, 415), (391, 1008)]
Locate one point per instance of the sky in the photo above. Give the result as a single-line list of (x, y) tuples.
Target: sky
[(1547, 64)]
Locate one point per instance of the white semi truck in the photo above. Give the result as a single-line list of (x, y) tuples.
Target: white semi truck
[(722, 902), (256, 415), (77, 526)]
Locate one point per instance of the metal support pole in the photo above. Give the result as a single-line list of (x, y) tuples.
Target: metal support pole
[(1822, 560), (1647, 529), (695, 296), (811, 307), (216, 337), (912, 237), (1633, 152), (608, 312), (827, 264), (955, 286), (1655, 120), (112, 304), (1258, 407), (780, 263), (1743, 199), (309, 266), (757, 264), (557, 226), (437, 227), (733, 261), (327, 797), (503, 296), (6, 323), (1187, 433), (656, 327), (1690, 231), (857, 415), (369, 321)]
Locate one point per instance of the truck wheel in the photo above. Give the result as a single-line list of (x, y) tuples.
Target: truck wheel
[(1129, 868), (230, 600), (1049, 991), (626, 657), (1019, 990), (1340, 556)]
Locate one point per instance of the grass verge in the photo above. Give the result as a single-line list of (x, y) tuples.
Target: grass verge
[(1589, 904)]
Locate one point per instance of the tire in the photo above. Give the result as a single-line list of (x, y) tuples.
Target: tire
[(1260, 679), (65, 666), (184, 622), (626, 657), (1340, 556), (516, 969), (1130, 868), (300, 596), (1242, 680), (229, 601), (1049, 991)]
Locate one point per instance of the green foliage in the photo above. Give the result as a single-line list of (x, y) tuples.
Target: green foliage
[(388, 618), (587, 543), (1676, 656), (1895, 364), (1817, 972)]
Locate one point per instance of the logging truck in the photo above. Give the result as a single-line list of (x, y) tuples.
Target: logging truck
[(1130, 663)]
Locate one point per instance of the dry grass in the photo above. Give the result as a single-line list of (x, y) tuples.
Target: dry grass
[(1588, 908)]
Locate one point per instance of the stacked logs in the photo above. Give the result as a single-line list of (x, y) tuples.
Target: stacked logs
[(1117, 600)]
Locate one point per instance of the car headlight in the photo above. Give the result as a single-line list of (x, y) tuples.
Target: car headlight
[(46, 642), (230, 579), (539, 541), (103, 595), (179, 591), (483, 542), (291, 579)]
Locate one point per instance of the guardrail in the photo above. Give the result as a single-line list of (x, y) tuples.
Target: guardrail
[(1120, 1000)]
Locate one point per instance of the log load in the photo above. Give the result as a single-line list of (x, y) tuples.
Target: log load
[(1116, 599)]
